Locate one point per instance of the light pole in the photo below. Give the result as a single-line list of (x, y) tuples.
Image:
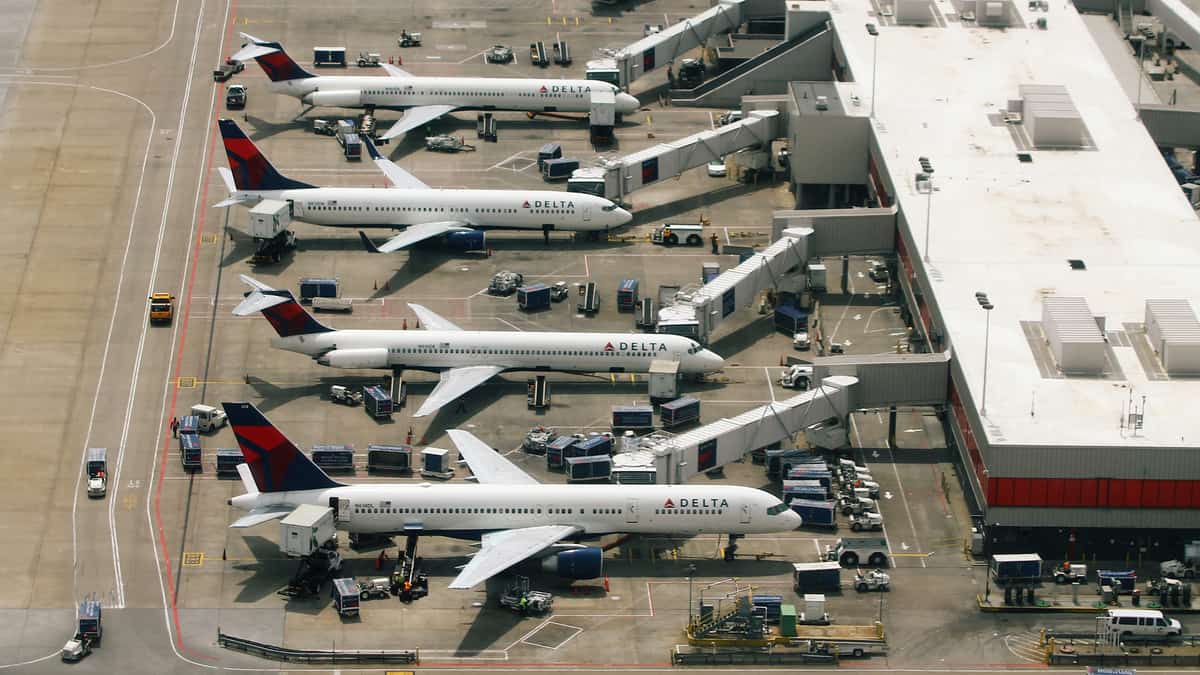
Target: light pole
[(987, 306), (926, 175), (1141, 44), (874, 33), (691, 573)]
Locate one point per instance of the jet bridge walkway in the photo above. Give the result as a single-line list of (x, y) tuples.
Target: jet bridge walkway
[(618, 178)]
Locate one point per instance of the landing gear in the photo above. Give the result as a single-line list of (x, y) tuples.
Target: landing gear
[(546, 234), (731, 547)]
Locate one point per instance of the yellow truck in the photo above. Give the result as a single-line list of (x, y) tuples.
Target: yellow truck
[(162, 308)]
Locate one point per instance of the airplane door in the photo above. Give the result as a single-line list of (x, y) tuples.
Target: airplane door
[(297, 208), (587, 213), (341, 509), (631, 510), (745, 514)]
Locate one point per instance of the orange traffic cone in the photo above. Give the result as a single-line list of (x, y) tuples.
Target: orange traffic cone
[(605, 584), (404, 326)]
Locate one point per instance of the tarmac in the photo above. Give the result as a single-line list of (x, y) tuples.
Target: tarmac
[(108, 131)]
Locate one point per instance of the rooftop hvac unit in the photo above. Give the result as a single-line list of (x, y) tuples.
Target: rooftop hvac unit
[(1074, 336), (1174, 333)]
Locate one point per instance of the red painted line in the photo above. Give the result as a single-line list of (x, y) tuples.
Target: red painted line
[(186, 304)]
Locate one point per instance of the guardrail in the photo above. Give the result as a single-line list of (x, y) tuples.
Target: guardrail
[(276, 653)]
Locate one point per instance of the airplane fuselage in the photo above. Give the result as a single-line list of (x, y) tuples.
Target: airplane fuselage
[(470, 510), (511, 350), (482, 209), (464, 93)]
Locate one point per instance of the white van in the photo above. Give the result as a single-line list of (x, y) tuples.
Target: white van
[(1142, 623)]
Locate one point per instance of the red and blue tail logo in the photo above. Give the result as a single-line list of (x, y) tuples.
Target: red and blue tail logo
[(276, 464), (279, 66), (250, 168), (289, 318)]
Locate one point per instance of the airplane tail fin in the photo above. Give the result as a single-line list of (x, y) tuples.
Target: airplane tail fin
[(250, 168), (274, 462), (286, 315), (270, 56)]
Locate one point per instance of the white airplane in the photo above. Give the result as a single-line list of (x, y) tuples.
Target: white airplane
[(465, 358), (514, 516), (425, 212), (425, 98)]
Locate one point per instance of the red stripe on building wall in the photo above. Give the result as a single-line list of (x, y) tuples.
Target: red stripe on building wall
[(964, 429), (1092, 492)]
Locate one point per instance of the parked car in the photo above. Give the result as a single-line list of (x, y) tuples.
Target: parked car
[(717, 168), (235, 97)]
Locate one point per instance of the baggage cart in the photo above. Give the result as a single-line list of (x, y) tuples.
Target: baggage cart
[(590, 468), (679, 412), (345, 597), (329, 56), (377, 401), (627, 295), (532, 297), (332, 458), (435, 463), (633, 417), (389, 458), (228, 460)]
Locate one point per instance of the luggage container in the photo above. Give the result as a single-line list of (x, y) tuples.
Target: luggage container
[(709, 271), (88, 621), (547, 152), (1016, 567), (679, 412), (329, 56), (771, 603), (645, 314), (627, 295), (590, 302), (633, 417), (531, 297), (352, 146), (590, 447), (435, 463), (556, 451), (663, 381), (307, 528), (377, 401), (345, 597), (334, 457), (228, 460), (317, 288), (1123, 581), (815, 513), (817, 577), (791, 320), (559, 169), (189, 451), (811, 472), (389, 458), (776, 459), (189, 424), (590, 468)]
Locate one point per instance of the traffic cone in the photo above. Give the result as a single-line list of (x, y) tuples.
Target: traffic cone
[(606, 583), (390, 60), (404, 326), (399, 60), (781, 360), (387, 285), (223, 554), (376, 285)]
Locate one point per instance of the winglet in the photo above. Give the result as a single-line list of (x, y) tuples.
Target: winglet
[(367, 243)]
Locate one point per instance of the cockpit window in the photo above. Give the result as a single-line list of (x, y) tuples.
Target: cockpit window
[(610, 207), (777, 509)]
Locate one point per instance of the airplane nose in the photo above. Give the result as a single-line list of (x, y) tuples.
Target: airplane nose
[(627, 104), (623, 216), (711, 361), (797, 521)]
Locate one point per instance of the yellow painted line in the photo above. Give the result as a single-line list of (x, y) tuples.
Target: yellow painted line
[(576, 21), (548, 21), (910, 555), (649, 120), (612, 377), (399, 672), (208, 239), (186, 383), (193, 558), (564, 20)]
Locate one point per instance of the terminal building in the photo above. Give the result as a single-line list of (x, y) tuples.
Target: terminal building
[(1041, 244)]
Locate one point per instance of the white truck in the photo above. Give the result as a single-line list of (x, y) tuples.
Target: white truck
[(868, 521), (209, 418), (303, 531), (797, 377), (850, 551)]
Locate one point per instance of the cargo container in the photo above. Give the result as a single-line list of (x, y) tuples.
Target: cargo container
[(317, 288), (591, 468), (435, 463), (771, 603), (1120, 581), (559, 169), (352, 146), (814, 493), (189, 424), (804, 473), (377, 401), (780, 460), (815, 513), (590, 447), (634, 417), (817, 577), (709, 271), (345, 597), (679, 412), (329, 56), (334, 457), (1016, 567), (627, 295), (556, 451), (190, 451), (532, 297), (790, 320), (305, 530), (663, 380), (88, 621), (393, 458), (548, 151), (228, 460)]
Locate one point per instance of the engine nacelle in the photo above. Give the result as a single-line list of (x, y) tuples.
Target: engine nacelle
[(578, 563), (466, 241), (356, 358), (337, 98)]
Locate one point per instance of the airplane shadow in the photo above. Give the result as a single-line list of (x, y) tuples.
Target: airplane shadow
[(270, 571), (744, 337), (654, 214), (272, 396)]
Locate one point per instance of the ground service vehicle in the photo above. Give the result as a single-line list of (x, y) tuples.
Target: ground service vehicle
[(1142, 623), (1069, 572), (345, 395), (1177, 569), (208, 418), (801, 341), (162, 308), (670, 234), (849, 551), (408, 39), (235, 97), (866, 521), (499, 54), (797, 377), (368, 60), (345, 596), (879, 273), (97, 468), (227, 70), (872, 580), (88, 631), (559, 291), (379, 587), (519, 598), (691, 74), (505, 283)]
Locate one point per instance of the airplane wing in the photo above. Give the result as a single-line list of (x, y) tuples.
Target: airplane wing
[(432, 320), (395, 71), (255, 301), (263, 514), (454, 383), (501, 550), (415, 117), (489, 466), (397, 176), (412, 235)]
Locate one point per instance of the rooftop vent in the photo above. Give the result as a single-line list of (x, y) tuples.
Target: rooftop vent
[(1050, 116), (1075, 338), (1174, 334), (1076, 264)]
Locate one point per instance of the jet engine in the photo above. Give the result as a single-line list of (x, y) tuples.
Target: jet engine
[(337, 98), (376, 357), (576, 563)]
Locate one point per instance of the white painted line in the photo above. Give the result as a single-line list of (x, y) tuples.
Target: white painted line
[(904, 500), (770, 384)]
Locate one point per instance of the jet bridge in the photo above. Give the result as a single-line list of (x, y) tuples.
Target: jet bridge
[(659, 49), (618, 178), (697, 314), (678, 458)]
